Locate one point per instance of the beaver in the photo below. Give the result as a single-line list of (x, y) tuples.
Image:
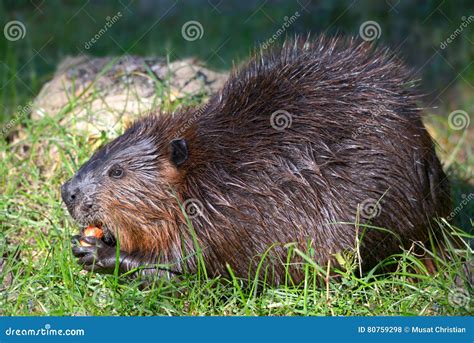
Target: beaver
[(316, 145)]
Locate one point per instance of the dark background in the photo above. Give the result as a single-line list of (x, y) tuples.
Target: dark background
[(55, 29)]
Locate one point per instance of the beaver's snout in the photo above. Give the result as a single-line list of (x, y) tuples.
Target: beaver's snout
[(77, 195), (70, 192)]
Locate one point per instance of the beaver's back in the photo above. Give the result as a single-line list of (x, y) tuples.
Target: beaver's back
[(297, 141)]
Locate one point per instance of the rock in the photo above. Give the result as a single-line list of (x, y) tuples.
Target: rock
[(91, 95)]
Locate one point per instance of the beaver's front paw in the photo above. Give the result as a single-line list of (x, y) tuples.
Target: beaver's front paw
[(95, 255)]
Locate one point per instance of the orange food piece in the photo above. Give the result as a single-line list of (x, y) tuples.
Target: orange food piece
[(92, 231)]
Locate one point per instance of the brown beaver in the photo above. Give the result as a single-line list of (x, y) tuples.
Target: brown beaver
[(302, 143)]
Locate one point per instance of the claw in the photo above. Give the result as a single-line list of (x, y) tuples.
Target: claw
[(80, 251), (94, 254)]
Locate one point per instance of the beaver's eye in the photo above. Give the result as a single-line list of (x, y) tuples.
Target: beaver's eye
[(116, 172)]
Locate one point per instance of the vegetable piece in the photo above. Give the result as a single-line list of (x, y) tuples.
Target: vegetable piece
[(92, 231)]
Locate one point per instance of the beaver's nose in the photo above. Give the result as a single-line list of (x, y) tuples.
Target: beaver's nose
[(69, 193)]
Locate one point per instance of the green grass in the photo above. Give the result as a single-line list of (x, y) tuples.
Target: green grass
[(39, 274), (42, 278)]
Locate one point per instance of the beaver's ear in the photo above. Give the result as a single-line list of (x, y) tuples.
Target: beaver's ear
[(179, 151)]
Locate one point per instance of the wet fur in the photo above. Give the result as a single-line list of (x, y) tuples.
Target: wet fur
[(356, 134)]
